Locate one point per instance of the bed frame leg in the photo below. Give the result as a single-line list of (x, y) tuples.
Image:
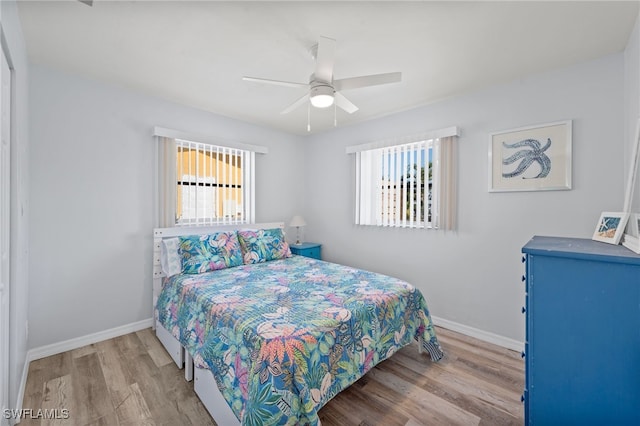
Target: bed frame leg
[(188, 366), (420, 345)]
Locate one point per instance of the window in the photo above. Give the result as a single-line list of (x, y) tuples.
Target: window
[(210, 183), (201, 182), (406, 184)]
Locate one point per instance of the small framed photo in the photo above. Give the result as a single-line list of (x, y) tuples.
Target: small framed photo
[(610, 227), (534, 158)]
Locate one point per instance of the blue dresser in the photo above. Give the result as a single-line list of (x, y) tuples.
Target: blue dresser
[(582, 349), (307, 249)]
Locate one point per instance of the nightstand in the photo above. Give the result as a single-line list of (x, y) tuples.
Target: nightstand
[(307, 249)]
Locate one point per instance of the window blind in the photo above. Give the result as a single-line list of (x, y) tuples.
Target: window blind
[(395, 185), (407, 185), (213, 184), (203, 183)]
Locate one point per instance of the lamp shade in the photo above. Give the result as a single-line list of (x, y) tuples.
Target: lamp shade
[(297, 221)]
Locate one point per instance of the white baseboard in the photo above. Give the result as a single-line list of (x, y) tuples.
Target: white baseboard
[(68, 345), (485, 336), (78, 342), (21, 389)]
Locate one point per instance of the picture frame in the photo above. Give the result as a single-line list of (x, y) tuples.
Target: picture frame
[(610, 227), (633, 171), (633, 226), (532, 158), (631, 237)]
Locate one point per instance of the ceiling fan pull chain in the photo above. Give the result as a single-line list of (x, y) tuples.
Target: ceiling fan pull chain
[(335, 116), (309, 117)]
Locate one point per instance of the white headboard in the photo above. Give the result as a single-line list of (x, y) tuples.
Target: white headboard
[(160, 233)]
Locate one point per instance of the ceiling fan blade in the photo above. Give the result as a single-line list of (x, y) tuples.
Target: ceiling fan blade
[(296, 104), (344, 103), (325, 59), (87, 2), (367, 80), (275, 82)]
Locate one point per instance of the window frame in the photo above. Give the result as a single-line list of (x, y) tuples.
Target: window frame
[(439, 190), (166, 182), (227, 169)]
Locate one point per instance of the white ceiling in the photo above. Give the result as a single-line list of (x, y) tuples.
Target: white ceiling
[(195, 53)]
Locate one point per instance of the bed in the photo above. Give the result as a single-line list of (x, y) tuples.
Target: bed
[(271, 342)]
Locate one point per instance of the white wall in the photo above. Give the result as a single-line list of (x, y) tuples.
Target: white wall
[(632, 101), (472, 276), (15, 50), (92, 192)]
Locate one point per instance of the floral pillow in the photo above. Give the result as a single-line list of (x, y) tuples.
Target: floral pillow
[(262, 245), (203, 253)]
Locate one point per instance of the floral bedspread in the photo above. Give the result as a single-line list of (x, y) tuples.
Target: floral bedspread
[(283, 337)]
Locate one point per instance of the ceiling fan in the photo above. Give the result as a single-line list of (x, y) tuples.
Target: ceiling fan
[(323, 90)]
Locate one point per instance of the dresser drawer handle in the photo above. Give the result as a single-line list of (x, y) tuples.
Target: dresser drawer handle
[(524, 278), (524, 310), (522, 398), (524, 259), (522, 354)]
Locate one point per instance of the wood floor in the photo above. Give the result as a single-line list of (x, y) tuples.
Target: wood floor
[(130, 380)]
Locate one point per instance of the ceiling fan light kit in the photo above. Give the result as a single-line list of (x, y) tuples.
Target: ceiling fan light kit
[(322, 96), (322, 90)]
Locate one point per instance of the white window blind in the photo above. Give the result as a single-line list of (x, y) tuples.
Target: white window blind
[(408, 185), (214, 184), (204, 184), (198, 195)]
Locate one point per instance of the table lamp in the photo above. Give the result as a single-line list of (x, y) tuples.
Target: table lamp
[(297, 221)]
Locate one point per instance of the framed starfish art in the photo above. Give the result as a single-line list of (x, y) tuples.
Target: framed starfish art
[(533, 158)]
